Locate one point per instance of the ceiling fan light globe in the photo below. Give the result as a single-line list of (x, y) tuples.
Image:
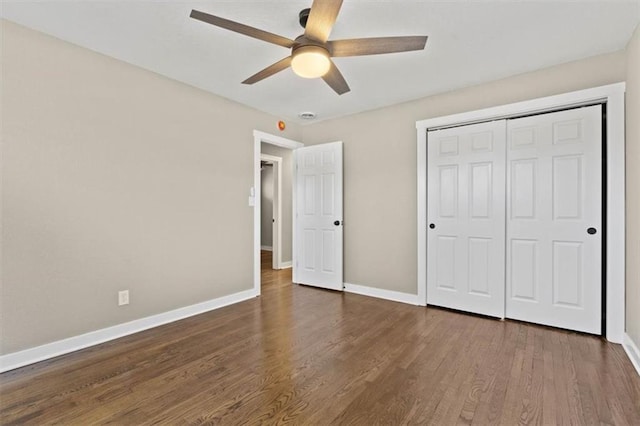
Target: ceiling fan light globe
[(310, 61)]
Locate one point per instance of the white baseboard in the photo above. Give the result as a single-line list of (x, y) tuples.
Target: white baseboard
[(632, 351), (266, 248), (285, 265), (396, 296), (71, 344)]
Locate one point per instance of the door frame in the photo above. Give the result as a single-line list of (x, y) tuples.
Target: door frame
[(255, 194), (276, 214), (613, 96)]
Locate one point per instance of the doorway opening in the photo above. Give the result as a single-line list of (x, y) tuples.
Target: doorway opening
[(271, 208), (279, 152)]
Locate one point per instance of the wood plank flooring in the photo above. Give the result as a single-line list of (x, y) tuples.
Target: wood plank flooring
[(301, 355)]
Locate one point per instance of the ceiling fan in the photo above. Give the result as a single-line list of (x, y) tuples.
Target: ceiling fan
[(311, 52)]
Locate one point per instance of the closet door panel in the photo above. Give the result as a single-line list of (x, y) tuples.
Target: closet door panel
[(554, 195), (466, 213)]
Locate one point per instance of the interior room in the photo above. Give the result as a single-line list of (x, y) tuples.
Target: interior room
[(320, 212)]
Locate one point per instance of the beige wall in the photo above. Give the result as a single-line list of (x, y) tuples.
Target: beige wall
[(633, 189), (115, 178), (287, 191), (380, 164)]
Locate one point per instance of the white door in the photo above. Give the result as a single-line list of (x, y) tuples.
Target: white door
[(318, 216), (466, 216), (554, 219)]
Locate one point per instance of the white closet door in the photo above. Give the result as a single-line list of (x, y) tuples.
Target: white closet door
[(466, 216), (554, 205)]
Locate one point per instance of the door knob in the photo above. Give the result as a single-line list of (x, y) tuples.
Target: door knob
[(432, 225), (591, 231), (336, 223)]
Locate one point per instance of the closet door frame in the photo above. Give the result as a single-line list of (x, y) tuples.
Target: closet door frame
[(613, 96)]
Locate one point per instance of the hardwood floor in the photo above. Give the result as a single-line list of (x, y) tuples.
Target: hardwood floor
[(302, 355)]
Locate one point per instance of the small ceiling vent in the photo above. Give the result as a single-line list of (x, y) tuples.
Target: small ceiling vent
[(307, 115)]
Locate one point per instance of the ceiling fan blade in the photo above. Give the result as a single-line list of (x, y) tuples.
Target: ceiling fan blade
[(321, 19), (335, 79), (375, 46), (269, 71), (241, 28)]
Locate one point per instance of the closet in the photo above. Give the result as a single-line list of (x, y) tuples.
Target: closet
[(514, 213)]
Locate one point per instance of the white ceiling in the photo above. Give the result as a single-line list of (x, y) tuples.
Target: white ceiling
[(470, 42)]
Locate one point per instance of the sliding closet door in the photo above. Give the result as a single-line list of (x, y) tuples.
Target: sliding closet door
[(466, 216), (554, 210)]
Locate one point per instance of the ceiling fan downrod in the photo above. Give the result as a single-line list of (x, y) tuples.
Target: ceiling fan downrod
[(303, 16)]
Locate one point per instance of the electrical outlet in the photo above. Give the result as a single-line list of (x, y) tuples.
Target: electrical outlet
[(123, 297)]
